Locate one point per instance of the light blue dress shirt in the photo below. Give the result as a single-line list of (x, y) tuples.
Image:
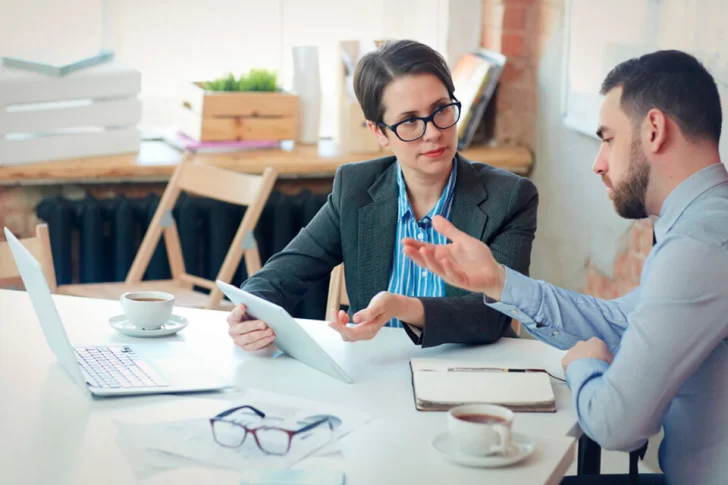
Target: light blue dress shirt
[(405, 277), (669, 338)]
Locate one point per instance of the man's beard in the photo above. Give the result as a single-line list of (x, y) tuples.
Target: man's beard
[(629, 196)]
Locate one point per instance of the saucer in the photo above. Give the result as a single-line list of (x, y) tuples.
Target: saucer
[(174, 324), (521, 448)]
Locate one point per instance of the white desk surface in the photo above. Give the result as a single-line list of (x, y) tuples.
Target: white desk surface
[(54, 432)]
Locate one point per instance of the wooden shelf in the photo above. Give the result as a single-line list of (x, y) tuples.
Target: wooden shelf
[(156, 162)]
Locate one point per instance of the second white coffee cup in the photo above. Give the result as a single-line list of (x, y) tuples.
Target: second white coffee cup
[(147, 310), (480, 429)]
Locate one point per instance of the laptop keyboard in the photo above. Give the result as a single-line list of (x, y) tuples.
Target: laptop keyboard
[(116, 367)]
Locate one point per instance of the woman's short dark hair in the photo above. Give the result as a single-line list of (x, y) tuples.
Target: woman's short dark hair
[(674, 82), (392, 60)]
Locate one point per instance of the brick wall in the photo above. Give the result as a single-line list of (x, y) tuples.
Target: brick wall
[(518, 29), (635, 247)]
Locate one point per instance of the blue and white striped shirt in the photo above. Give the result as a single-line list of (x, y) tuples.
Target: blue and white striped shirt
[(405, 277)]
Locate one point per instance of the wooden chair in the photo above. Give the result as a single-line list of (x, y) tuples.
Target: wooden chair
[(204, 180), (337, 292), (40, 247), (338, 297)]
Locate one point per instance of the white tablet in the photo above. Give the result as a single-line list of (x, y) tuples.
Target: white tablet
[(291, 338)]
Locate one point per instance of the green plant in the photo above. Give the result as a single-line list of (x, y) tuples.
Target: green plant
[(255, 80)]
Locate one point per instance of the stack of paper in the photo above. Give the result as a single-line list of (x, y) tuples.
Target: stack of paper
[(190, 441)]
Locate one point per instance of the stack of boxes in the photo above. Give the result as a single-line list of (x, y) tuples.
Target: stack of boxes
[(90, 112)]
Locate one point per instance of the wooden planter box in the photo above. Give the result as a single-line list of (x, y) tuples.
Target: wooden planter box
[(228, 116)]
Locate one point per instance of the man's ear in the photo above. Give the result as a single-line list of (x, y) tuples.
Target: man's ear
[(655, 130), (378, 133)]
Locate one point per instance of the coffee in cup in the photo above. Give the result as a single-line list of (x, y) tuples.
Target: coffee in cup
[(482, 418), (480, 429), (147, 310)]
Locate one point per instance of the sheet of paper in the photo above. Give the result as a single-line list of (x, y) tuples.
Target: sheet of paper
[(190, 441)]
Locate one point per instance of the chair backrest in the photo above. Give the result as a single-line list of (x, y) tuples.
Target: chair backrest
[(40, 247), (238, 188), (337, 292)]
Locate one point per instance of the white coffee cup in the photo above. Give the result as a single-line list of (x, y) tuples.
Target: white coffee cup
[(480, 429), (147, 310)]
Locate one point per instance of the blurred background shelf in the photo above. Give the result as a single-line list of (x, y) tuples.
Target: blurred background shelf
[(156, 161)]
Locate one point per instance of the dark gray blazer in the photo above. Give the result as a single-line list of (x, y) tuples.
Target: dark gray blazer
[(357, 225)]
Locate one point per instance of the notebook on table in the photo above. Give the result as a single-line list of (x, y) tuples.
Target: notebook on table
[(439, 385)]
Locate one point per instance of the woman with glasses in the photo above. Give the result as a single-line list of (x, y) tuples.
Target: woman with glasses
[(407, 95)]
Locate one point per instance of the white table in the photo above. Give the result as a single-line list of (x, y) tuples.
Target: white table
[(54, 432)]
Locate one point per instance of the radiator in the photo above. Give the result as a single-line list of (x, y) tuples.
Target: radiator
[(95, 240)]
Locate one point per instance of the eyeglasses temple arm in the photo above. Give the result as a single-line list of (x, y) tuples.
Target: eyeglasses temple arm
[(311, 426), (230, 411)]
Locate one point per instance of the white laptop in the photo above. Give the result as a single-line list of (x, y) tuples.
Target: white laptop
[(291, 338), (160, 367)]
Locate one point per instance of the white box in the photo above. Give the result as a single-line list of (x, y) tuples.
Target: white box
[(74, 145), (21, 86), (92, 112)]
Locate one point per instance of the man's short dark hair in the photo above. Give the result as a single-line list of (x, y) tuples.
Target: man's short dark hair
[(674, 82), (392, 60)]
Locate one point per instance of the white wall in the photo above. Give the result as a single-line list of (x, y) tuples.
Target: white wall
[(576, 218), (464, 28)]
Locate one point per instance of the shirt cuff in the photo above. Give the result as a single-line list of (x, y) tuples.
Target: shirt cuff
[(519, 293), (583, 376), (582, 371)]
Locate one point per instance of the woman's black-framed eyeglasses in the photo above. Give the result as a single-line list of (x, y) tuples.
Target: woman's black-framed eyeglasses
[(413, 128), (272, 440)]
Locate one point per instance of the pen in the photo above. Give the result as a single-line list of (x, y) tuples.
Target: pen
[(490, 369)]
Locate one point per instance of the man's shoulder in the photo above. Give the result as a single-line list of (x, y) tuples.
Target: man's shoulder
[(704, 223)]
